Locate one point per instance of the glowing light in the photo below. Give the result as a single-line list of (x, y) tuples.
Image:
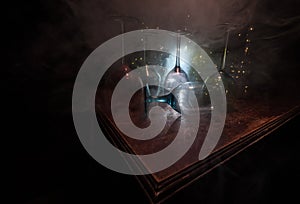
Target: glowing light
[(239, 71), (141, 58), (239, 34), (246, 49), (251, 28), (132, 62), (188, 15), (246, 87), (244, 71), (247, 40), (232, 71), (200, 56), (142, 39), (226, 91), (236, 77), (242, 61)]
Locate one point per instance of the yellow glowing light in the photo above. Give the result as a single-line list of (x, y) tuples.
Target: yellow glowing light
[(239, 35), (236, 77), (232, 71), (239, 71), (200, 56), (246, 87), (244, 72), (132, 62), (246, 49), (247, 40), (242, 62), (251, 28), (141, 58), (226, 91)]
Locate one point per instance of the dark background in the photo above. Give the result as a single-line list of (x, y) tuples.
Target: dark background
[(45, 44)]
